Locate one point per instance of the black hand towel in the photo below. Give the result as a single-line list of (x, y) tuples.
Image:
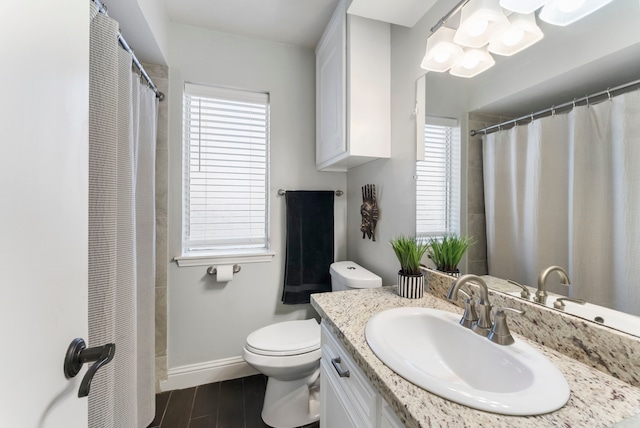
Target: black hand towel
[(309, 245)]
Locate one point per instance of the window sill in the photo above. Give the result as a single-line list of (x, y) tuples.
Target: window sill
[(223, 259)]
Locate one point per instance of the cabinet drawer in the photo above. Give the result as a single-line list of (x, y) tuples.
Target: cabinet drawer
[(356, 386)]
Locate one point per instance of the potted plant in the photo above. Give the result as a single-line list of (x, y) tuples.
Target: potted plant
[(446, 252), (409, 252)]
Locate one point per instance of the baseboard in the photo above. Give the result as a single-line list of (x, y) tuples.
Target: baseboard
[(208, 372)]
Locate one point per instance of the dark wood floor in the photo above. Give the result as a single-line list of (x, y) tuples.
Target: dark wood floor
[(230, 404)]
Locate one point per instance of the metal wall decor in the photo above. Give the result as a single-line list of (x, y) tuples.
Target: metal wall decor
[(369, 211)]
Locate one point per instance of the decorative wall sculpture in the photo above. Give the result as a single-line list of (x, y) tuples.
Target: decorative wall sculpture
[(369, 211)]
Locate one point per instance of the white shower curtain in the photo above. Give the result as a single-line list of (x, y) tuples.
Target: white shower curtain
[(122, 134), (565, 190)]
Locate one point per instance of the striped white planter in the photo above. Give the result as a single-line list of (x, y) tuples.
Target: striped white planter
[(410, 286)]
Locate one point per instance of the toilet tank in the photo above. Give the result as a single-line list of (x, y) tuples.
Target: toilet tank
[(349, 275)]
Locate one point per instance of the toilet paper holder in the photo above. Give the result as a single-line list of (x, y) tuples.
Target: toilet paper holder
[(211, 270)]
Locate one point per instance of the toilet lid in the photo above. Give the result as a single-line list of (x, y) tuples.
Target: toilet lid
[(285, 338)]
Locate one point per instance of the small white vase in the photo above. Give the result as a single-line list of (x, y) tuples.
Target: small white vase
[(410, 286)]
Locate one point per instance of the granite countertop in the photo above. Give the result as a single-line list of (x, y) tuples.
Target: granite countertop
[(597, 399)]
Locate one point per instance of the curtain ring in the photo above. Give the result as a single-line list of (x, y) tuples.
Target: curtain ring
[(609, 94), (531, 116), (574, 103), (553, 111), (587, 98)]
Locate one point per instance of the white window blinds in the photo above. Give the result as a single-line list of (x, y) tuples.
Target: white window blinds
[(226, 158), (438, 179)]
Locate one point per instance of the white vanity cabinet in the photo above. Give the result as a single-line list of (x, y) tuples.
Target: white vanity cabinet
[(353, 93), (347, 399)]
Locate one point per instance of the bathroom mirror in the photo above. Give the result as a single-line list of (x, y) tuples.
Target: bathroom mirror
[(599, 52)]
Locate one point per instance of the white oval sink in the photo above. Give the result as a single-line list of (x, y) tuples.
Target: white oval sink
[(429, 348)]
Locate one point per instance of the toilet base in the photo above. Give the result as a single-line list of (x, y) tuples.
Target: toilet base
[(289, 404)]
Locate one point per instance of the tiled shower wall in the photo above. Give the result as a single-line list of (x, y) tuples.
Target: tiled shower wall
[(476, 219), (160, 76)]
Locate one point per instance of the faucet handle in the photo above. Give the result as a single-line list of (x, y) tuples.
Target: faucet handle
[(559, 303), (469, 316), (500, 333), (525, 293)]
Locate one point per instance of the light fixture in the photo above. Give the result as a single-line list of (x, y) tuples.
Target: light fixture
[(480, 20), (442, 52), (522, 6), (472, 63), (521, 33), (565, 12), (483, 22)]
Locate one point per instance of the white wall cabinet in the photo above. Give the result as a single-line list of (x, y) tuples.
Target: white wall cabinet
[(353, 92), (349, 400)]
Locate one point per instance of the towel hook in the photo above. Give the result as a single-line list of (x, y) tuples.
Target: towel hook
[(212, 270)]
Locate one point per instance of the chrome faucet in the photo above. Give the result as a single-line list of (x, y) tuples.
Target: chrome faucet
[(541, 294), (483, 325)]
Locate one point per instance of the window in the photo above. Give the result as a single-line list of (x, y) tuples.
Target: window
[(226, 170), (438, 179)]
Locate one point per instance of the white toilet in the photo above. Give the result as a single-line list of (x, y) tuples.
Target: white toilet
[(348, 275), (289, 354)]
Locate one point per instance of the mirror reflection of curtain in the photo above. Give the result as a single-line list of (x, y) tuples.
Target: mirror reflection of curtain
[(565, 190)]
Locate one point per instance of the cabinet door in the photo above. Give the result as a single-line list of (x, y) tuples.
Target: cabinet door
[(330, 89), (388, 418), (336, 409)]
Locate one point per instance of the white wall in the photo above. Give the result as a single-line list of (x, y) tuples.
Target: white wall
[(155, 13), (207, 321), (394, 178), (144, 24)]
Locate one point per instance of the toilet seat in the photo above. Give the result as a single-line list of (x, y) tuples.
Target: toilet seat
[(285, 338)]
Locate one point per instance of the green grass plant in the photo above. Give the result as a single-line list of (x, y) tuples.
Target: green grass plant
[(409, 252), (446, 252)]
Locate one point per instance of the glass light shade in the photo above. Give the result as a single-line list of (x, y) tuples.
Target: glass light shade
[(521, 33), (441, 53), (565, 12), (523, 6), (480, 20), (472, 63)]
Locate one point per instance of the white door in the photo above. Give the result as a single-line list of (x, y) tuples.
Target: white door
[(44, 68)]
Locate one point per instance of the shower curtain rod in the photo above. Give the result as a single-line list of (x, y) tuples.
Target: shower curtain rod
[(126, 47), (589, 99)]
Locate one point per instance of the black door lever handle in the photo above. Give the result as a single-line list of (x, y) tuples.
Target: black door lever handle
[(78, 354)]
